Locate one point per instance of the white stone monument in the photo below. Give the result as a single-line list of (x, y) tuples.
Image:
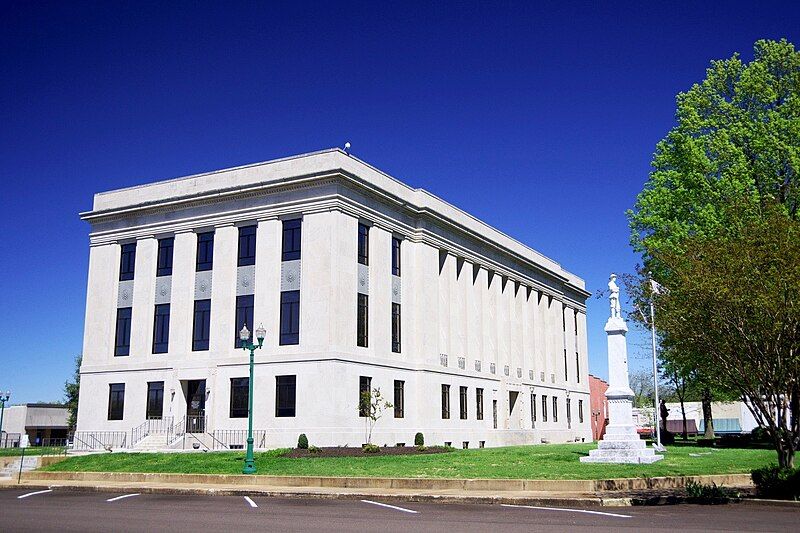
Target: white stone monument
[(621, 443)]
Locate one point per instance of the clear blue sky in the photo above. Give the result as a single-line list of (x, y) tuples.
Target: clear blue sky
[(539, 119)]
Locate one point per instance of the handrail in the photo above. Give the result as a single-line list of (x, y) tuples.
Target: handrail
[(198, 440), (215, 439)]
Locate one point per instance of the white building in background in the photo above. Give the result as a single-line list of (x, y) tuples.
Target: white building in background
[(45, 424), (360, 281)]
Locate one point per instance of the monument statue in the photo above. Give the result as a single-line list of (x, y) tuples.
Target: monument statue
[(621, 442), (614, 297)]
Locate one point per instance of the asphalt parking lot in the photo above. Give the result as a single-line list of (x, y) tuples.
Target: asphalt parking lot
[(38, 510)]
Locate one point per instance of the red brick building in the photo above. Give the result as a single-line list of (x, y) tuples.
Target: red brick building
[(598, 405)]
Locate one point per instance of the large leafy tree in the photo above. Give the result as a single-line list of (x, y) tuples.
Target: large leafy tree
[(733, 313), (71, 390), (737, 136), (730, 166)]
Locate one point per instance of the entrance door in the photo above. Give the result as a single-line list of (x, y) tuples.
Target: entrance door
[(196, 406)]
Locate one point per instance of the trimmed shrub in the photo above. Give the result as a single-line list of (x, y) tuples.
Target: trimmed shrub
[(419, 439), (313, 449), (302, 442), (774, 482), (371, 448), (759, 434), (709, 493)]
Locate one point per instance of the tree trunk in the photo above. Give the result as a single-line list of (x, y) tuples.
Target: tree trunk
[(785, 454), (683, 414), (708, 421)]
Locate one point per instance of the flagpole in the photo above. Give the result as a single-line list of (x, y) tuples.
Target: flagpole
[(655, 363)]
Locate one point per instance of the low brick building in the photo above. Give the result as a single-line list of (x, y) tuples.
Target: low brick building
[(598, 405)]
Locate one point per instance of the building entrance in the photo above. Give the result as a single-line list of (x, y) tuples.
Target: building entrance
[(196, 406)]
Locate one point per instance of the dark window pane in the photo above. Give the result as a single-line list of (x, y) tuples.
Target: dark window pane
[(479, 404), (395, 256), (247, 246), (364, 395), (555, 409), (580, 411), (205, 251), (161, 329), (533, 408), (116, 401), (290, 318), (122, 343), (244, 316), (363, 244), (445, 401), (285, 391), (164, 261), (127, 261), (399, 398), (240, 394), (201, 325), (396, 328), (362, 321), (544, 408), (155, 399), (463, 402), (291, 239)]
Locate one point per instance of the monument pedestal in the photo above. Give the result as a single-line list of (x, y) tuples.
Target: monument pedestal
[(621, 442)]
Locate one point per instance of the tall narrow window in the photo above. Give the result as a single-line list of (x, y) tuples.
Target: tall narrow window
[(362, 321), (399, 398), (161, 329), (445, 401), (244, 316), (285, 393), (555, 408), (578, 366), (247, 246), (240, 395), (494, 414), (566, 378), (290, 318), (395, 256), (127, 261), (544, 408), (462, 396), (363, 244), (364, 395), (202, 325), (116, 401), (479, 404), (164, 260), (580, 411), (569, 413), (122, 342), (291, 240), (155, 399), (205, 251), (533, 409), (396, 328)]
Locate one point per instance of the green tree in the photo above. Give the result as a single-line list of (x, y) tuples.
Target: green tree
[(737, 136), (371, 406), (71, 390), (732, 312)]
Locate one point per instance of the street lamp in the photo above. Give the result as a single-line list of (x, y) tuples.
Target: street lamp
[(3, 399), (244, 336)]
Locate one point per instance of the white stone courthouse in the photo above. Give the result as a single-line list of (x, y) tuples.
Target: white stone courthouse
[(360, 281)]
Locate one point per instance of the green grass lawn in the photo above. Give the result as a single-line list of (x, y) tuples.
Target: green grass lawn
[(33, 450), (556, 461)]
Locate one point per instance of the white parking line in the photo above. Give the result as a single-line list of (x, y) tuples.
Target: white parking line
[(251, 502), (390, 506), (34, 493), (566, 510), (121, 497)]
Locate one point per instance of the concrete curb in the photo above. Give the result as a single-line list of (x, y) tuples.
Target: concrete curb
[(467, 485)]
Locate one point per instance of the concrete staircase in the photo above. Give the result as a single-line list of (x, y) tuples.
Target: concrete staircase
[(153, 443)]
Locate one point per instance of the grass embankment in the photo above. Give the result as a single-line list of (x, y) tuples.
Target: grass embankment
[(33, 450), (557, 461)]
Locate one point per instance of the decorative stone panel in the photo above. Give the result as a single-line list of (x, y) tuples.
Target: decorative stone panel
[(396, 289), (519, 372), (202, 285), (443, 359), (362, 282), (477, 366), (125, 294), (290, 275), (552, 378), (541, 377), (492, 368), (462, 363), (163, 289), (506, 370), (245, 280), (530, 375)]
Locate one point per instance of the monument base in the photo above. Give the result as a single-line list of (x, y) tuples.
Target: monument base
[(621, 444)]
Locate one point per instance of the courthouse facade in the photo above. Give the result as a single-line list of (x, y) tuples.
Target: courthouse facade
[(360, 281)]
